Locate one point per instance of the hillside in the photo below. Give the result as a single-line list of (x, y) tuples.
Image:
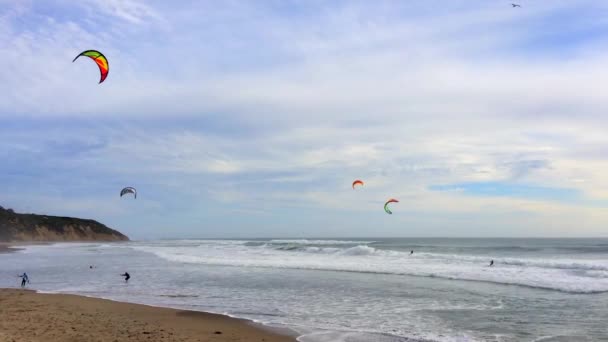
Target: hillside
[(31, 227)]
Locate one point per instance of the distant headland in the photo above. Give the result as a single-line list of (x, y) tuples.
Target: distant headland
[(15, 227)]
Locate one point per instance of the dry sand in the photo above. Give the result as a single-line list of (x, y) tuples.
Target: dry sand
[(26, 316)]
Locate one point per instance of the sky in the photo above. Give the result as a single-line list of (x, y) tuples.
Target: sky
[(252, 118)]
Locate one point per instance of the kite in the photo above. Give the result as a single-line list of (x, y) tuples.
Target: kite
[(357, 182), (392, 200), (100, 59), (128, 190)]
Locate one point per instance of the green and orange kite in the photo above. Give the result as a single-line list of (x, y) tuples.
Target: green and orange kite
[(100, 59), (386, 208)]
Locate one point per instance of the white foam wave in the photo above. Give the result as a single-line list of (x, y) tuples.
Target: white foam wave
[(580, 276), (583, 265), (358, 250), (556, 263), (319, 242)]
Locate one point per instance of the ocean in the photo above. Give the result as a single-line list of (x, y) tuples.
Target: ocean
[(350, 290)]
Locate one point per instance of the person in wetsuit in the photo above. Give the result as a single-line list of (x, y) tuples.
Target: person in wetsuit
[(24, 279), (491, 263), (127, 276), (411, 252)]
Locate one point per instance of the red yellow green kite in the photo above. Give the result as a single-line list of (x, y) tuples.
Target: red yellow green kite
[(100, 59)]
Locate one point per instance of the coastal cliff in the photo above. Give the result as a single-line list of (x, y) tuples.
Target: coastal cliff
[(31, 227)]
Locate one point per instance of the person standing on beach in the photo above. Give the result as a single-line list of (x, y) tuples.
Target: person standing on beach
[(24, 279), (127, 276)]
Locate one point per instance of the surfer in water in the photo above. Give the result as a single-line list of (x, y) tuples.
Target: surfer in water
[(127, 276), (411, 252), (491, 263)]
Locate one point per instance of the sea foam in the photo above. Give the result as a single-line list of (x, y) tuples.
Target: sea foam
[(576, 276)]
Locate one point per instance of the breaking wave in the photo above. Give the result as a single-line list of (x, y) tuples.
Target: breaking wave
[(559, 274)]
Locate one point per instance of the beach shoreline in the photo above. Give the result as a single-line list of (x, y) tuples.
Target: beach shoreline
[(13, 246), (32, 316), (8, 247)]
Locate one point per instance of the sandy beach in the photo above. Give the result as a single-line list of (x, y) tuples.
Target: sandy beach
[(30, 316)]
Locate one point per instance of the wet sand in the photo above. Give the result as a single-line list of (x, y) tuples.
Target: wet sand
[(5, 248), (8, 247), (29, 316)]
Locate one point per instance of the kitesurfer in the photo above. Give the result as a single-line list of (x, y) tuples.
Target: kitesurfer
[(491, 263), (127, 276)]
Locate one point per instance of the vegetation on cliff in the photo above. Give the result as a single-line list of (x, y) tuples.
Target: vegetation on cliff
[(32, 227)]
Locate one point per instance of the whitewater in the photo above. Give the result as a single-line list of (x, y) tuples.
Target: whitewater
[(581, 275), (350, 289)]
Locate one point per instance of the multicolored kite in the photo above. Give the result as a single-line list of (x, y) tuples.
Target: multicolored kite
[(392, 200), (100, 59), (128, 190), (357, 182)]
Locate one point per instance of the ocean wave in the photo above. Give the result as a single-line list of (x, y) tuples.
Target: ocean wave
[(358, 250), (558, 264), (319, 242), (451, 258), (354, 250), (178, 295), (600, 248), (255, 243), (560, 275)]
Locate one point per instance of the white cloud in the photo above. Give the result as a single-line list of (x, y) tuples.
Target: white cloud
[(405, 97), (357, 67), (130, 10)]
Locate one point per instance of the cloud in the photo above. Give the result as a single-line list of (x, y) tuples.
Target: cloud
[(132, 11), (390, 70), (277, 107)]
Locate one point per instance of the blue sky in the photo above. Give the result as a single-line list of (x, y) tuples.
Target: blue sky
[(502, 189), (252, 118)]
